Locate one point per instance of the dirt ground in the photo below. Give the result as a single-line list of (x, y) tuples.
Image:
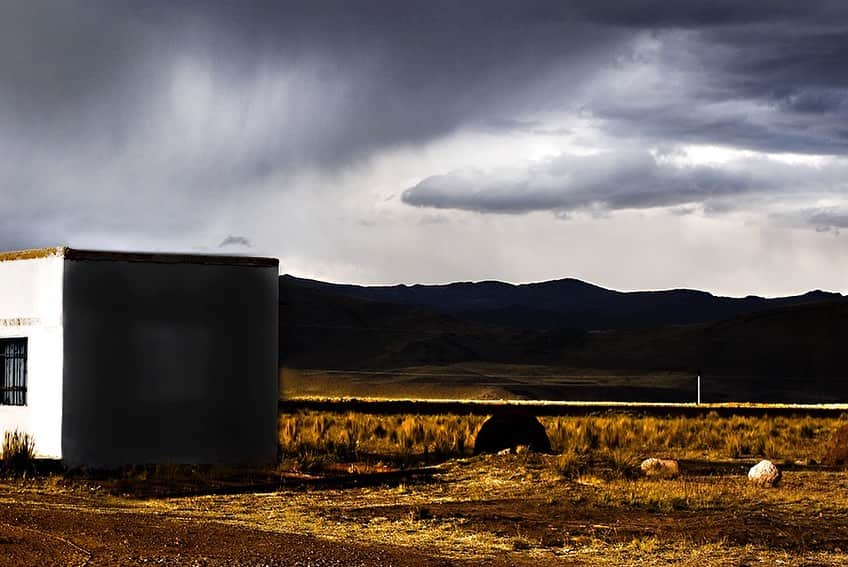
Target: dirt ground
[(491, 510), (39, 529)]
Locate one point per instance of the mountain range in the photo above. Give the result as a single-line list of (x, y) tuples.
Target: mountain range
[(791, 342), (563, 304)]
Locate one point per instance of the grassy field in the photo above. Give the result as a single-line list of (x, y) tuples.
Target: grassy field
[(357, 436), (587, 503), (487, 381), (515, 509), (499, 381), (584, 504)]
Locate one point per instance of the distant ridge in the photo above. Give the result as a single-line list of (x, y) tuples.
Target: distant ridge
[(564, 304), (781, 350)]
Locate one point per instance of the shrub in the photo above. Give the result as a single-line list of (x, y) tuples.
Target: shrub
[(621, 462), (570, 464), (18, 453), (836, 450)]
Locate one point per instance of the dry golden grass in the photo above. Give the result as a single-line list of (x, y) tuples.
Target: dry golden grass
[(708, 436), (358, 436), (618, 438), (17, 452), (582, 506), (518, 509)]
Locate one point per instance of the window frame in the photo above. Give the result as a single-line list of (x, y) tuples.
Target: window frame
[(14, 394)]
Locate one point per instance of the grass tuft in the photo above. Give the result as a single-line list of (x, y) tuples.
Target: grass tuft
[(18, 452)]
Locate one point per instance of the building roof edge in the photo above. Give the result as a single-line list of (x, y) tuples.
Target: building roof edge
[(79, 254), (32, 253)]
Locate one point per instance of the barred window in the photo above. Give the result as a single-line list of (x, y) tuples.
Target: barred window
[(13, 370)]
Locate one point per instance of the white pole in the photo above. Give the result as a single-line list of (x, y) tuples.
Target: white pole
[(699, 389)]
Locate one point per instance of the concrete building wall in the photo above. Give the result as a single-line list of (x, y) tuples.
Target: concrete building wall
[(31, 307), (169, 362)]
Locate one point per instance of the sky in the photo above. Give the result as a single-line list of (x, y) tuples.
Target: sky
[(636, 145)]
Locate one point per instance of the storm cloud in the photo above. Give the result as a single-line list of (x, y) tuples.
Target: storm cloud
[(165, 125), (130, 113), (622, 180)]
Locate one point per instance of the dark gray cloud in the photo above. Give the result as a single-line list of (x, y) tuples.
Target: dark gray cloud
[(658, 13), (235, 240), (130, 113), (334, 82), (622, 180), (835, 218), (774, 85), (825, 219), (142, 124)]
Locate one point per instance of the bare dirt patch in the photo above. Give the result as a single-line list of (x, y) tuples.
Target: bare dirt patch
[(493, 509), (93, 531)]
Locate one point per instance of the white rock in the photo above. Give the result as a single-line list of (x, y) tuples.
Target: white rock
[(664, 468), (764, 473)]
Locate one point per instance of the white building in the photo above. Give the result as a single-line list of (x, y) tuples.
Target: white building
[(111, 358)]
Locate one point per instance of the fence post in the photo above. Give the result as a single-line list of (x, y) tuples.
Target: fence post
[(699, 389)]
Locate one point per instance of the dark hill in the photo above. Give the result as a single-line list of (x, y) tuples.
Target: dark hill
[(795, 341), (563, 304), (788, 354), (323, 329)]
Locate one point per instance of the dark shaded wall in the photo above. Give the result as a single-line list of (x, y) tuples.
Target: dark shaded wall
[(169, 362)]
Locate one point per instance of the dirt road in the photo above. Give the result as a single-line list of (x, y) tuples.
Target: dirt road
[(63, 532)]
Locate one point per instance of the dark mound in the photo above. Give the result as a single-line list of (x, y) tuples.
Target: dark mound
[(508, 430)]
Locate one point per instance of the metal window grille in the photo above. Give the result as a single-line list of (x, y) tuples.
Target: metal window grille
[(13, 365)]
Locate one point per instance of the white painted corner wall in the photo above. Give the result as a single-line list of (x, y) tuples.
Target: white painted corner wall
[(31, 306)]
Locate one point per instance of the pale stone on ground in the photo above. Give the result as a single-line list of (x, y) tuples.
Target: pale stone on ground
[(764, 473), (664, 468)]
